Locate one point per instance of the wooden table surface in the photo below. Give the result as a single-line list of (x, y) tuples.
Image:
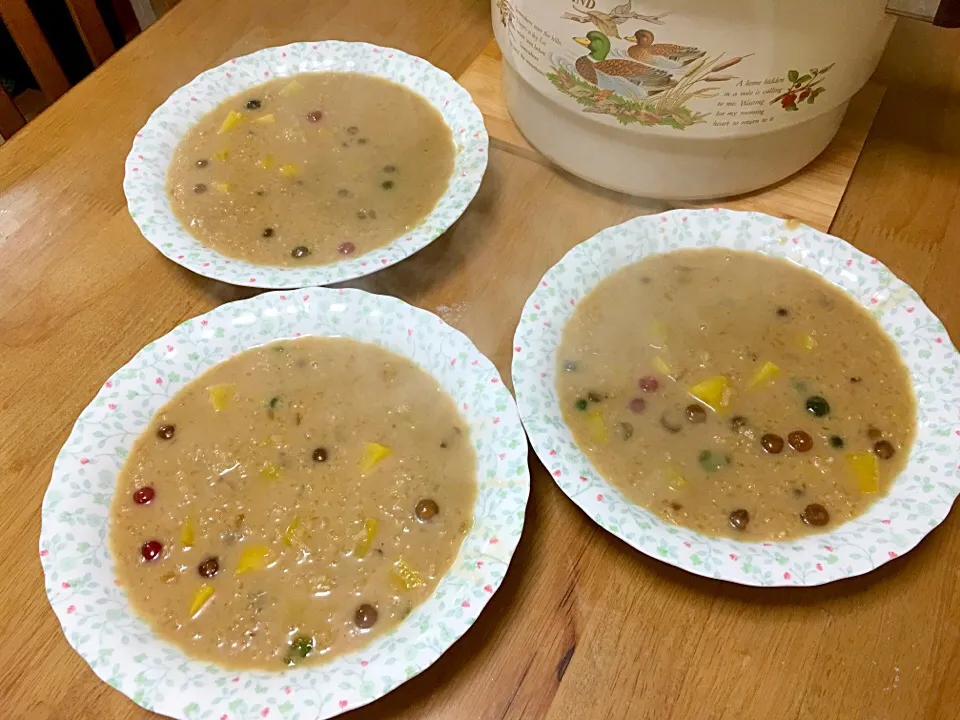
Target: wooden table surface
[(583, 627)]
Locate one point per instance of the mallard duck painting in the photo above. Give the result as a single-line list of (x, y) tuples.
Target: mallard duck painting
[(622, 76), (608, 22), (665, 56)]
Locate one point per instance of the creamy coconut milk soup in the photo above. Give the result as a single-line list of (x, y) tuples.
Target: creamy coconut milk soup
[(309, 169), (735, 394), (293, 502)]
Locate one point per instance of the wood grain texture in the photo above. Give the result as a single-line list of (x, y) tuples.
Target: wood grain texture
[(26, 33), (812, 194), (583, 628)]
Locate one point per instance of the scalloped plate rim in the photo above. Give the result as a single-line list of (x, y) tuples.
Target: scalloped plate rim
[(506, 543), (524, 390), (317, 275)]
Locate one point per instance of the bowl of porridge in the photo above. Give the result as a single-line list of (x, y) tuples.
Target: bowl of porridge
[(290, 505), (306, 164), (744, 399)]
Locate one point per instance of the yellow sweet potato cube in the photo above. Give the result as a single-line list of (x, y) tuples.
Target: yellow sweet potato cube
[(865, 469), (767, 373), (231, 121), (715, 392)]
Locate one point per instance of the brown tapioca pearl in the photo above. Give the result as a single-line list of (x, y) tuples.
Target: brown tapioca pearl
[(320, 455), (800, 440), (166, 432), (253, 104), (344, 193), (209, 567), (782, 312), (739, 519), (874, 433), (884, 449), (347, 248), (268, 232), (353, 130), (771, 443), (695, 413), (202, 163), (144, 495), (738, 423), (315, 116), (361, 141), (199, 188), (815, 514), (300, 251), (426, 510), (365, 616), (625, 430), (387, 184)]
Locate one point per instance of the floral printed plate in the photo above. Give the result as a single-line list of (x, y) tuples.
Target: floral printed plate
[(79, 569), (145, 176), (921, 496)]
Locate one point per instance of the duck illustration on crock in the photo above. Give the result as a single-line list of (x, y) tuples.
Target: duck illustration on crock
[(607, 22), (622, 76), (665, 56)]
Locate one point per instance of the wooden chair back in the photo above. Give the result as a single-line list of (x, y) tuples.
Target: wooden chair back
[(36, 50)]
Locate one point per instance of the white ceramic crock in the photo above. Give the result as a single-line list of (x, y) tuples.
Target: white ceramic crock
[(756, 90)]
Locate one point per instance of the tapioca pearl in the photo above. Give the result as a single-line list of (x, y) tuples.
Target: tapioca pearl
[(800, 440), (144, 495), (426, 510), (365, 616), (815, 514), (739, 519), (649, 383), (151, 550)]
